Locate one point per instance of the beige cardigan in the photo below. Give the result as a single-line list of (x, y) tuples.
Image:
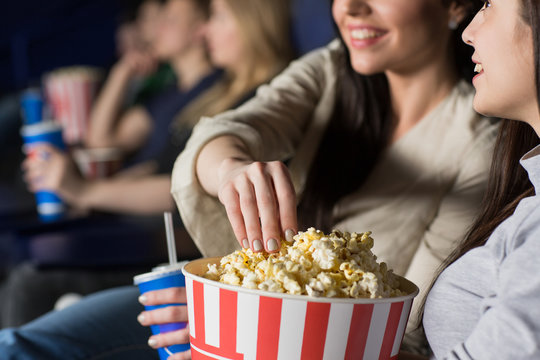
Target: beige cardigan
[(418, 201)]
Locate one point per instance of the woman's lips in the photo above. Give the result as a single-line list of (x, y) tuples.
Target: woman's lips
[(362, 37), (479, 69)]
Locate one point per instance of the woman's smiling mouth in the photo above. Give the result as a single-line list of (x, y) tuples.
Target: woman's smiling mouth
[(365, 36)]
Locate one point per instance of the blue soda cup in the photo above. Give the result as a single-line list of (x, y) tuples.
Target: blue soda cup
[(163, 277), (49, 206), (32, 106)]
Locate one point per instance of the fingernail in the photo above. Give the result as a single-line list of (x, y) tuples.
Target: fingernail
[(245, 243), (152, 342), (289, 235), (143, 299), (140, 318), (257, 245), (272, 245)]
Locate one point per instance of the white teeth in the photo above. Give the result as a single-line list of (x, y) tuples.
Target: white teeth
[(363, 34), (478, 68)]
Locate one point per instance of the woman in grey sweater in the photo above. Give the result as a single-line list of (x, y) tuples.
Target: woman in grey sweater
[(485, 304)]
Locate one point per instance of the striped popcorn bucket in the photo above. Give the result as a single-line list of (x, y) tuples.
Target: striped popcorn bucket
[(71, 91), (233, 323)]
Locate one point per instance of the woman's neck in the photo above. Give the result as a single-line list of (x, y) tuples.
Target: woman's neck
[(191, 67), (414, 95)]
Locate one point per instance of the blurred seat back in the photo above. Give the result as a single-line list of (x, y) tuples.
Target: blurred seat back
[(312, 24)]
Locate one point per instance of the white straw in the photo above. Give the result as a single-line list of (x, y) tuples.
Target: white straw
[(171, 246)]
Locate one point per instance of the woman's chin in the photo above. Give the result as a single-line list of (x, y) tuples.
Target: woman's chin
[(365, 68)]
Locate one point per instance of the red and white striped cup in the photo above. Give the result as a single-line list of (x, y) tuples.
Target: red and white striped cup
[(231, 322), (98, 163), (71, 92)]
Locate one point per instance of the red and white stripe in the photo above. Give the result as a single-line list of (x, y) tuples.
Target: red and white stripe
[(71, 97), (226, 324)]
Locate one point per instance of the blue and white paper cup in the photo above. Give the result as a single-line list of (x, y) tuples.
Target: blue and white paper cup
[(163, 277), (32, 106), (49, 206)]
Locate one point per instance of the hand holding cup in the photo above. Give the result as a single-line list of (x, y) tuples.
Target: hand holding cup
[(46, 168), (165, 315)]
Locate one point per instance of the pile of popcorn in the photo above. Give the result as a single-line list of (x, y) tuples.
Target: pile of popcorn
[(337, 265)]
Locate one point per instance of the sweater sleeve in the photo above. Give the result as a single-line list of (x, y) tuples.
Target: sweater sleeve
[(271, 125), (509, 325)]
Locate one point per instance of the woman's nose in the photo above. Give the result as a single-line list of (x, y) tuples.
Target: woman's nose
[(357, 7), (470, 30)]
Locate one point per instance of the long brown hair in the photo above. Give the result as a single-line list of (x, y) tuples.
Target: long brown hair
[(508, 181), (265, 28), (359, 130)]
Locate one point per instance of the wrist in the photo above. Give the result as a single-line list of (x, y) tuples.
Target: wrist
[(121, 71), (76, 193), (230, 164)]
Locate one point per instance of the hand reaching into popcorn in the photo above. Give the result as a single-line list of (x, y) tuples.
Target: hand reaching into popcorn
[(259, 196)]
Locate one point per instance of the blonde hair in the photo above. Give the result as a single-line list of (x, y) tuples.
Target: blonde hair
[(265, 28)]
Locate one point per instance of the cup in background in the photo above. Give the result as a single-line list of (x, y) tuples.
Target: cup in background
[(163, 277), (71, 92), (98, 163), (32, 106), (49, 206)]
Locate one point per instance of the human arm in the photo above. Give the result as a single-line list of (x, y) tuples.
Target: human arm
[(169, 314), (108, 128), (509, 322), (130, 193), (277, 125)]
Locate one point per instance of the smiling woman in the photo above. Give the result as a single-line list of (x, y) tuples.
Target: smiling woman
[(512, 73), (377, 132), (490, 289)]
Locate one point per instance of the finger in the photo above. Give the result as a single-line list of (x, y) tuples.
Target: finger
[(267, 207), (230, 199), (34, 174), (33, 183), (44, 148), (250, 213), (169, 314), (169, 338), (286, 199), (186, 355), (26, 164), (166, 296)]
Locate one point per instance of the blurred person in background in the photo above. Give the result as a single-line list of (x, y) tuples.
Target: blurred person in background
[(152, 133), (134, 38), (182, 42), (250, 41)]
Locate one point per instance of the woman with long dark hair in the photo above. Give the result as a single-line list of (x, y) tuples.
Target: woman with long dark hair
[(375, 132), (485, 303)]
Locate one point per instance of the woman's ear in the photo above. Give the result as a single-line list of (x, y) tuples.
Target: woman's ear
[(200, 31), (457, 12)]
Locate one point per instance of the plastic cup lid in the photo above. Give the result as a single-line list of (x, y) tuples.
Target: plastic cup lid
[(40, 128), (158, 272)]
